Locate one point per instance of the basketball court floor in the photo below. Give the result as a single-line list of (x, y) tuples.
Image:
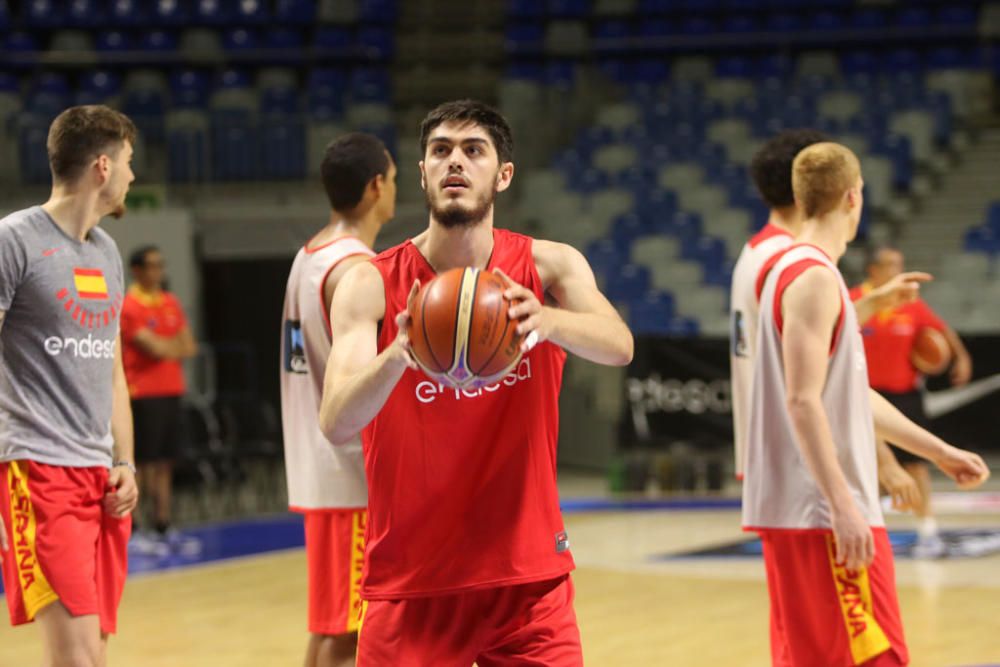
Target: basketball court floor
[(658, 583)]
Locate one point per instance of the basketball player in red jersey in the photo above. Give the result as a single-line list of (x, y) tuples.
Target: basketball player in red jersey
[(467, 559), (889, 336), (327, 484), (811, 487)]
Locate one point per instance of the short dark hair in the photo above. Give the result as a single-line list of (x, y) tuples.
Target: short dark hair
[(80, 134), (137, 259), (872, 253), (349, 164), (471, 111), (771, 167)]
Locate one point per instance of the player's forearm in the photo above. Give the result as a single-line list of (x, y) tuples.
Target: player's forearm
[(886, 459), (867, 306), (162, 347), (349, 404), (958, 348), (892, 425), (602, 339), (815, 440)]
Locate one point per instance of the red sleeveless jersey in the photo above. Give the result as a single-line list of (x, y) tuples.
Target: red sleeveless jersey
[(462, 484)]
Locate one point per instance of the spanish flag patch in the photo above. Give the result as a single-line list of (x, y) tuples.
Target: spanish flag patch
[(90, 284)]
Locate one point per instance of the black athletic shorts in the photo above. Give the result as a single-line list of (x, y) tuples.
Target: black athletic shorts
[(910, 404), (157, 428)]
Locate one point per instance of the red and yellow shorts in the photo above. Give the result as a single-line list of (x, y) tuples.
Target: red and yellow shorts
[(824, 614), (63, 546), (335, 554), (523, 624)]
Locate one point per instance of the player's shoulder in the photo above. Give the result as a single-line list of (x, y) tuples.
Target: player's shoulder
[(392, 254), (18, 222)]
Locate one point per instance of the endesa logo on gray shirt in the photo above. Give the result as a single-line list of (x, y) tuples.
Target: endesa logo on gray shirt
[(84, 348)]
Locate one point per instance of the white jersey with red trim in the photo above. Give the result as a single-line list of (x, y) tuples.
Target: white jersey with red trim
[(779, 490), (743, 313), (320, 475)]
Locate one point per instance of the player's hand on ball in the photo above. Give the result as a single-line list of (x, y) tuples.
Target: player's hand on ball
[(855, 545), (527, 309), (123, 492), (967, 468), (901, 487), (961, 370), (402, 342)]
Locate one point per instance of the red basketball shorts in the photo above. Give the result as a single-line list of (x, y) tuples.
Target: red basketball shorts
[(523, 625), (824, 614), (335, 553), (63, 546)]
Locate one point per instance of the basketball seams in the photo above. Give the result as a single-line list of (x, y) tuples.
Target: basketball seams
[(460, 341), (427, 337), (499, 345)]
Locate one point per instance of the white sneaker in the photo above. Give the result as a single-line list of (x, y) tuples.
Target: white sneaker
[(928, 547), (181, 544), (147, 544)]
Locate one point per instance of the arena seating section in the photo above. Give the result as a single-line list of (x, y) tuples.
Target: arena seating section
[(648, 177)]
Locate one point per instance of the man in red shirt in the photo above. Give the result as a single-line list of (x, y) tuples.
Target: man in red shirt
[(466, 556), (155, 338), (889, 338)]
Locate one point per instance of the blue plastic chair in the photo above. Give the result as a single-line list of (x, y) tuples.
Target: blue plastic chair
[(375, 43), (525, 9), (783, 22), (377, 11), (627, 228), (251, 12), (868, 19), (240, 40), (370, 84), (128, 13), (652, 313), (295, 12), (85, 14), (611, 37), (234, 142), (569, 9), (957, 16), (45, 14), (606, 256), (630, 282), (334, 42), (170, 13), (283, 148), (188, 89), (112, 41), (158, 41), (187, 155), (913, 17), (213, 12), (740, 23)]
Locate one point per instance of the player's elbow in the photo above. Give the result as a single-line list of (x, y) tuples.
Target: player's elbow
[(801, 405), (625, 351), (332, 425)]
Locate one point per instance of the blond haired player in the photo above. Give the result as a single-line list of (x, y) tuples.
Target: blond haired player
[(326, 483), (811, 489), (771, 171)]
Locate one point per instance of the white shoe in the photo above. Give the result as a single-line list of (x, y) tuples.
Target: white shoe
[(928, 547), (145, 544), (181, 544)]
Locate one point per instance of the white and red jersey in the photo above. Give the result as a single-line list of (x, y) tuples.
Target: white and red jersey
[(743, 326), (320, 475), (779, 490)]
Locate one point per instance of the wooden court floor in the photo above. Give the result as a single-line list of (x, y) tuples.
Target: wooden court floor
[(633, 610)]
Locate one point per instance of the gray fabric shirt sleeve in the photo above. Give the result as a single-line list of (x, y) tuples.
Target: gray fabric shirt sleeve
[(13, 261)]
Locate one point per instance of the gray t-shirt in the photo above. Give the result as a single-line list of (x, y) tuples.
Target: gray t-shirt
[(62, 298)]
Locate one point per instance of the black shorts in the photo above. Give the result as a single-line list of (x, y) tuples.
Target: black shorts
[(911, 404), (157, 428)]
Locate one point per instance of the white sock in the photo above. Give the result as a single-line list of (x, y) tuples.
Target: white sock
[(927, 527)]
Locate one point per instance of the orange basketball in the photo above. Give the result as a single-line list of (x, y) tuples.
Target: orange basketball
[(459, 331), (931, 354)]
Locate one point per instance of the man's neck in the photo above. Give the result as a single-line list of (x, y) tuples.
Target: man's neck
[(447, 248), (75, 213), (786, 218), (364, 228), (827, 234)]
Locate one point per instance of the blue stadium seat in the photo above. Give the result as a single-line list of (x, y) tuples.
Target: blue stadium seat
[(628, 227), (233, 78), (783, 22), (525, 71), (948, 57), (560, 74), (654, 30), (284, 45), (858, 61), (112, 41), (188, 89), (657, 204), (525, 9), (709, 251), (775, 65), (956, 16), (235, 146), (684, 226), (4, 16), (213, 12), (283, 101), (32, 135), (239, 40), (46, 14), (611, 36), (651, 71), (735, 66), (251, 12), (85, 14), (740, 23), (147, 109), (334, 42), (187, 149), (298, 12), (21, 47), (570, 9), (826, 21), (606, 256), (993, 217), (903, 60), (158, 41), (128, 13), (325, 92), (8, 83), (377, 11), (638, 179), (170, 13), (868, 19), (524, 38), (100, 84), (375, 43), (654, 7), (698, 25), (283, 148), (982, 239), (683, 327), (913, 17), (652, 313), (630, 282), (370, 84)]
